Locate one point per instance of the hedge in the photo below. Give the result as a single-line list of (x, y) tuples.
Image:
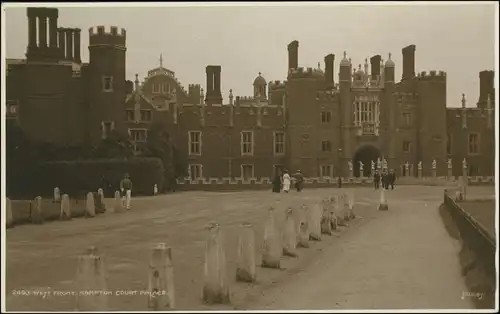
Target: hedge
[(76, 178)]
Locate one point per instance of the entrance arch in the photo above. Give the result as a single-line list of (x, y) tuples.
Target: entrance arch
[(365, 153)]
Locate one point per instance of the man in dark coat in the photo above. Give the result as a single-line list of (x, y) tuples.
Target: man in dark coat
[(277, 182), (392, 178), (339, 182), (299, 177), (385, 180), (376, 180)]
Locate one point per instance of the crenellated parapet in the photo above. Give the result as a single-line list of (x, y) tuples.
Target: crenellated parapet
[(275, 85), (100, 35), (432, 76), (302, 72)]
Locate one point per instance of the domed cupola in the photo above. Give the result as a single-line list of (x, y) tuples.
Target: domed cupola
[(259, 87)]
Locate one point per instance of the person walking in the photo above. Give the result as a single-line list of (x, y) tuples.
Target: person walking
[(385, 180), (376, 180), (299, 178), (392, 176), (126, 190), (286, 181), (277, 182)]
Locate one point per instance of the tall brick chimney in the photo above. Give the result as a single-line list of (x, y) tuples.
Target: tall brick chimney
[(213, 94), (210, 81), (486, 87), (329, 65), (293, 55), (76, 45), (408, 62), (375, 66)]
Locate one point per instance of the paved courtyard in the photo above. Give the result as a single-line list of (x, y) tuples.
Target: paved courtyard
[(402, 258)]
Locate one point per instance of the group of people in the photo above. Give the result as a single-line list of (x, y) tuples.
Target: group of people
[(284, 181), (125, 189), (387, 178)]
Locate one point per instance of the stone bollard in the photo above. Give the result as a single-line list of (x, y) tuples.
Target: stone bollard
[(245, 271), (339, 207), (155, 189), (90, 280), (326, 223), (272, 243), (90, 205), (289, 235), (36, 211), (9, 220), (215, 289), (101, 207), (161, 292), (314, 222), (118, 206), (345, 206), (332, 207), (65, 208), (303, 234), (351, 206), (57, 195), (383, 202)]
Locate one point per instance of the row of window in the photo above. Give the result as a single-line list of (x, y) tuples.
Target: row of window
[(247, 171), (160, 88), (247, 143), (145, 115), (366, 112)]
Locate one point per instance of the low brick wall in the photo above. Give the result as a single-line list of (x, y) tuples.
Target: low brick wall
[(477, 256), (234, 184)]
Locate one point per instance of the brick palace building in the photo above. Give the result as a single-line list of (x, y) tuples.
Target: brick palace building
[(312, 121)]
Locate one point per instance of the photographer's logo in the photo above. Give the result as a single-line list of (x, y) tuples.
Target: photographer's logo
[(477, 295)]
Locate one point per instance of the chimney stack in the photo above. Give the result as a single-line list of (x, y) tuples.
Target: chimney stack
[(408, 62), (329, 65), (210, 81), (486, 87), (293, 55), (375, 62), (76, 45), (69, 44)]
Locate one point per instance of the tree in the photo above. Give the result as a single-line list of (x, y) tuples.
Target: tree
[(22, 159), (115, 145), (159, 144)]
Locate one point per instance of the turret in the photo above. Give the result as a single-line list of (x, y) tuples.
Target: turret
[(389, 70), (464, 113), (259, 87), (345, 69), (346, 107), (231, 108), (107, 87)]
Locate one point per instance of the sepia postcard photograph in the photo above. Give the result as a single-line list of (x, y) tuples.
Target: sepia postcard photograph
[(250, 156)]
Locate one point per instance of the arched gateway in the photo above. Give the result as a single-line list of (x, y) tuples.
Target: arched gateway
[(365, 153)]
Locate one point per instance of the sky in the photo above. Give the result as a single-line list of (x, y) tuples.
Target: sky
[(245, 40)]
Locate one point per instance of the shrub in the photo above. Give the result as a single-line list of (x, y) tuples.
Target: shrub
[(76, 178)]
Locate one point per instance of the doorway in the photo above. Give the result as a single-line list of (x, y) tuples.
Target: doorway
[(366, 154)]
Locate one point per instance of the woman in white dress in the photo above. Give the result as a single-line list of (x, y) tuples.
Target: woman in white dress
[(286, 181)]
